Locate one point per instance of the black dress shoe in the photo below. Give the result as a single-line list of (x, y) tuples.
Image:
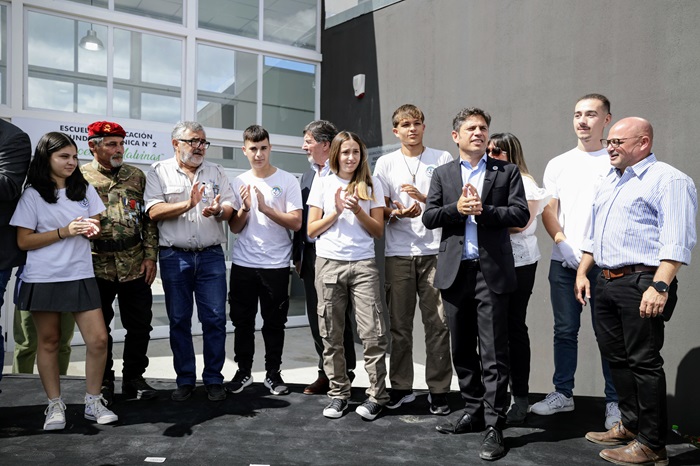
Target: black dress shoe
[(182, 393), (215, 392), (467, 423), (493, 447)]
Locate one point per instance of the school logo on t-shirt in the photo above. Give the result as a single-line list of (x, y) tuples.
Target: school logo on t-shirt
[(276, 191), (429, 170), (84, 203)]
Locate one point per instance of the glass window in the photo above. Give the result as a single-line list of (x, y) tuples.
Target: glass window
[(239, 17), (291, 22), (233, 157), (289, 97), (227, 82), (147, 77), (3, 54), (167, 10), (63, 76)]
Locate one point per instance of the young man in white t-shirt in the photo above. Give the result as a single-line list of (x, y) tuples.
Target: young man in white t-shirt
[(268, 205), (411, 258), (572, 179)]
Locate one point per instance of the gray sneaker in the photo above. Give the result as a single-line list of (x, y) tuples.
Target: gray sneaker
[(55, 415), (96, 410), (554, 403), (612, 414)]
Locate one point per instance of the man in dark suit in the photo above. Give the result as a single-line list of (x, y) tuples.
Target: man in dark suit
[(15, 154), (318, 136), (475, 199)]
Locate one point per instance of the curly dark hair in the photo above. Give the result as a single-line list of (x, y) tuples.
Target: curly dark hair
[(39, 174)]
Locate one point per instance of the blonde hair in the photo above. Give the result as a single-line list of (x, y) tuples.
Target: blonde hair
[(362, 177)]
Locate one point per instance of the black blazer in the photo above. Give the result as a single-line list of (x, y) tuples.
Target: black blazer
[(299, 240), (504, 206), (15, 154)]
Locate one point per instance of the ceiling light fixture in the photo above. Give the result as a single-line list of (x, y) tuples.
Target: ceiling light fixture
[(91, 42)]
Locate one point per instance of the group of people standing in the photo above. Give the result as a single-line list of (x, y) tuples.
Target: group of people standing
[(460, 244)]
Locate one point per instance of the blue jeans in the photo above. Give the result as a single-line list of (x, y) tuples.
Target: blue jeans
[(4, 278), (202, 274), (567, 321)]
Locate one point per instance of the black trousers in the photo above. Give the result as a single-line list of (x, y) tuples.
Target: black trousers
[(308, 275), (477, 316), (271, 288), (135, 309), (632, 345), (518, 338)]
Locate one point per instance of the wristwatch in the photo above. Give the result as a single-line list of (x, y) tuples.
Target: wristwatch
[(661, 287)]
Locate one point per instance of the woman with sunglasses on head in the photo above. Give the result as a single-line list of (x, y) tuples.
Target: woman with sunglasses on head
[(346, 212), (506, 147), (56, 215)]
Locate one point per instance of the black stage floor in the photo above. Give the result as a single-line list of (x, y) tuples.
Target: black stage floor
[(256, 428)]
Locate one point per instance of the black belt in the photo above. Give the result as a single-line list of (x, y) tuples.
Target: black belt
[(175, 248), (115, 245)]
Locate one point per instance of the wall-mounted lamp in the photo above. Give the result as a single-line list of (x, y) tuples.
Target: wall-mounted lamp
[(358, 85), (91, 42)]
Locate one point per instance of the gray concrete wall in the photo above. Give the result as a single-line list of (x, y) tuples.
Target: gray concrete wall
[(526, 62)]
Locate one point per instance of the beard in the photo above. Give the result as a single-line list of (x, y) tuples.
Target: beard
[(192, 159), (116, 161)]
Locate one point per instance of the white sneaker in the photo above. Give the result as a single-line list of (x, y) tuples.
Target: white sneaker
[(95, 410), (55, 415), (554, 403), (612, 414)]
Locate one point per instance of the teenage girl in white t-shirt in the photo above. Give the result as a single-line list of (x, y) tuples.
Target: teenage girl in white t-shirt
[(346, 211), (57, 213), (506, 147)]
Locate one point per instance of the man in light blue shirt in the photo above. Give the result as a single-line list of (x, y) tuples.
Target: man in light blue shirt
[(642, 230)]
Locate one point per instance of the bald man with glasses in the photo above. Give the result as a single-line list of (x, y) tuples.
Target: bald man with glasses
[(642, 230)]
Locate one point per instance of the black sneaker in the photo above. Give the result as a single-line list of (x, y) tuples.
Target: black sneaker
[(273, 381), (369, 410), (438, 403), (239, 381), (182, 393), (107, 391), (138, 389), (215, 392), (335, 408), (399, 397)]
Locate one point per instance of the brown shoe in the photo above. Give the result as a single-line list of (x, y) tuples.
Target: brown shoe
[(618, 435), (320, 386), (636, 454)]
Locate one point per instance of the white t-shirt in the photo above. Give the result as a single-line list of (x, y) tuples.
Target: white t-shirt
[(66, 260), (524, 243), (262, 243), (574, 178), (346, 239), (408, 236)]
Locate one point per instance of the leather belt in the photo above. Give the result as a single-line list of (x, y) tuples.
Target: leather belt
[(175, 248), (115, 245), (611, 274)]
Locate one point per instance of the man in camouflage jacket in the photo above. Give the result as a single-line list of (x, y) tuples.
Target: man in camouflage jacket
[(124, 257)]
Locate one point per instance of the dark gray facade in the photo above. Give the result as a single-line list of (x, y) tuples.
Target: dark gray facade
[(527, 62)]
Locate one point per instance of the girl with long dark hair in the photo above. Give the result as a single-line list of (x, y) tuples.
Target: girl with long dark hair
[(56, 215)]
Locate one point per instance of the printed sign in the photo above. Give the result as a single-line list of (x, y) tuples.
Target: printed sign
[(140, 147)]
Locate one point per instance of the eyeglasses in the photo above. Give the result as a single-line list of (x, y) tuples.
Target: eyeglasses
[(197, 142), (616, 142), (495, 151)]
